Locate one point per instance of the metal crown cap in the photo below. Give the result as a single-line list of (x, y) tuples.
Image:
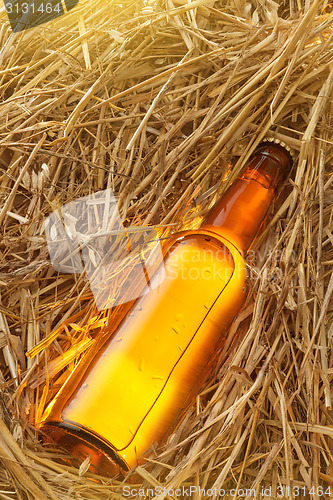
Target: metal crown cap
[(280, 143)]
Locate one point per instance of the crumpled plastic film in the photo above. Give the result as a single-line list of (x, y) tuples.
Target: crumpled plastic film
[(88, 234)]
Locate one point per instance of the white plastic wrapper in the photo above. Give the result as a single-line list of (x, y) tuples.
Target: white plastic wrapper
[(88, 234)]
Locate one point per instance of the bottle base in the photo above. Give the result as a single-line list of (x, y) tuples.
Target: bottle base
[(80, 443)]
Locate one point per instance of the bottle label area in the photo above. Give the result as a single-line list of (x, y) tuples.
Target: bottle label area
[(152, 364)]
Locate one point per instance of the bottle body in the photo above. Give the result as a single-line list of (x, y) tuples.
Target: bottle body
[(141, 379), (126, 394)]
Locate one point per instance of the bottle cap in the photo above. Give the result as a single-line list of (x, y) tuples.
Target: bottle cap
[(283, 145)]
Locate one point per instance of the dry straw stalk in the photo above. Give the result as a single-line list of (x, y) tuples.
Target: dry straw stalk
[(164, 101)]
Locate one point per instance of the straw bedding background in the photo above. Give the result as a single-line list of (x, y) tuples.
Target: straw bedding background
[(164, 101)]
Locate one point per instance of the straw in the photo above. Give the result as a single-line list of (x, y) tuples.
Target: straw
[(164, 103)]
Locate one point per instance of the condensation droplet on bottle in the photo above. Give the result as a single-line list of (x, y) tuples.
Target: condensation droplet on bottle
[(142, 364), (207, 306), (119, 340), (157, 377), (175, 329), (178, 317), (156, 338), (180, 348)]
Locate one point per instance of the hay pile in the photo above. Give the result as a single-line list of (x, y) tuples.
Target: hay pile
[(161, 100)]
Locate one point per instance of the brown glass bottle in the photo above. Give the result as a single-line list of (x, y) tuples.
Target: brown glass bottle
[(126, 395)]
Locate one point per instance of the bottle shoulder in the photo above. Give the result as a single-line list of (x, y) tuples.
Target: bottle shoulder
[(207, 235)]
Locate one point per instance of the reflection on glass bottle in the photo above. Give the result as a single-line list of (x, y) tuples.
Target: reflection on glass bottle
[(128, 395)]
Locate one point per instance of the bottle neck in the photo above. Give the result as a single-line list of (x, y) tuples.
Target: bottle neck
[(242, 209)]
